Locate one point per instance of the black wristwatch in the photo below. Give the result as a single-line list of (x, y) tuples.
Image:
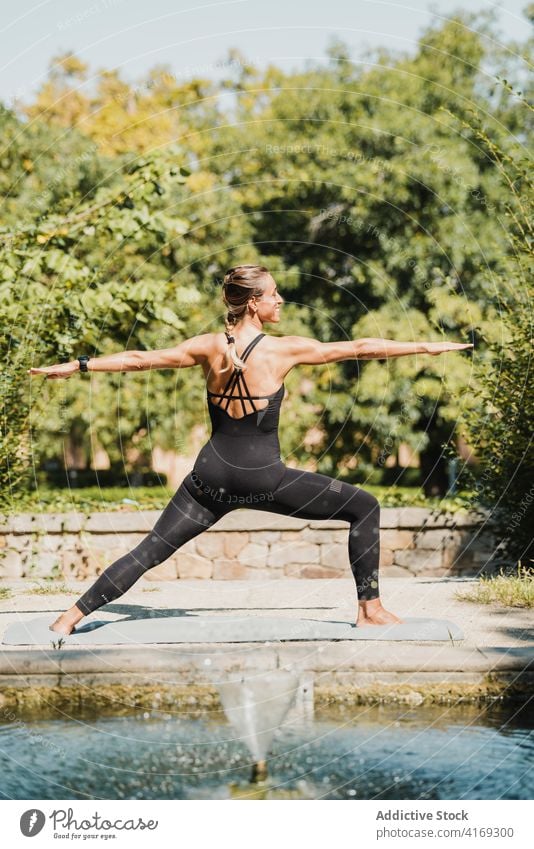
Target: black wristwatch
[(83, 360)]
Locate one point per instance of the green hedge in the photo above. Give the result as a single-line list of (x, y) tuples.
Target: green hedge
[(93, 499)]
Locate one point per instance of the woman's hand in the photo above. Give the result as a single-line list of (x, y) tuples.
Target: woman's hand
[(434, 348), (61, 370)]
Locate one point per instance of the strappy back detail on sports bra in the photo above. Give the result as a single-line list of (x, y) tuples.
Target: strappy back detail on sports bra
[(237, 379)]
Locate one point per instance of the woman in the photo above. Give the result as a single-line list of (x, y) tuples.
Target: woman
[(240, 465)]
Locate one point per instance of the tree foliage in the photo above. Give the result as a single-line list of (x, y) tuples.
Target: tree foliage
[(501, 426), (62, 284), (364, 188)]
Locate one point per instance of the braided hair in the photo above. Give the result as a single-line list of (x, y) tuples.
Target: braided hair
[(239, 285)]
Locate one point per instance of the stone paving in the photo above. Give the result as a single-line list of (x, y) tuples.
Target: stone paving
[(498, 644)]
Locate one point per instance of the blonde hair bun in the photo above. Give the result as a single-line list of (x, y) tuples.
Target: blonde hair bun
[(240, 284)]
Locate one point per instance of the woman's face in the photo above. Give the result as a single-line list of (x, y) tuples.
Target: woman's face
[(269, 304)]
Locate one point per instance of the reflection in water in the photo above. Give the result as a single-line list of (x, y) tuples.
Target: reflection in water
[(364, 752)]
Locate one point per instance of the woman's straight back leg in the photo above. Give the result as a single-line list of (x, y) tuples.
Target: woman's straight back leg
[(182, 519)]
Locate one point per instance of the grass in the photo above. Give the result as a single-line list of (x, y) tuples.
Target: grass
[(51, 587), (5, 592), (93, 499), (516, 590)]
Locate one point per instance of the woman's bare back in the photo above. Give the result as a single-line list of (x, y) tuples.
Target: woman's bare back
[(264, 375)]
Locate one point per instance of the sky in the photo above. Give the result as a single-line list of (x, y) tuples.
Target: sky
[(193, 38)]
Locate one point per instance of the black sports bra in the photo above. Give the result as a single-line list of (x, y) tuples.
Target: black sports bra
[(237, 378)]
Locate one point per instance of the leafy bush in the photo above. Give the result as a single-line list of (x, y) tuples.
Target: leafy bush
[(502, 429), (93, 499), (56, 291)]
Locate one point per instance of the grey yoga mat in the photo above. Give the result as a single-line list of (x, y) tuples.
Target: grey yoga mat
[(193, 628)]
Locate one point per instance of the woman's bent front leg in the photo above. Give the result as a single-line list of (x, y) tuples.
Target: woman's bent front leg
[(309, 495)]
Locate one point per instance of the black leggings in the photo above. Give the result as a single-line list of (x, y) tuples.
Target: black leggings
[(305, 495)]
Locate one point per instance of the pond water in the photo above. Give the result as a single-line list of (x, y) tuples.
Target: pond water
[(465, 751)]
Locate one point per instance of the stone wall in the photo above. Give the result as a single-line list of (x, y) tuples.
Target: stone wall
[(246, 544)]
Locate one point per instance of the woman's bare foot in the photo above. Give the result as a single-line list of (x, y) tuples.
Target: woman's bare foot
[(373, 613), (65, 623)]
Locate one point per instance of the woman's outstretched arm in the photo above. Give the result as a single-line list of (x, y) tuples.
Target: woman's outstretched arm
[(188, 353), (306, 351)]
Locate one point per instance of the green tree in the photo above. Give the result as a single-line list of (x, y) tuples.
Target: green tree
[(377, 209), (367, 187), (502, 428), (59, 288)]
